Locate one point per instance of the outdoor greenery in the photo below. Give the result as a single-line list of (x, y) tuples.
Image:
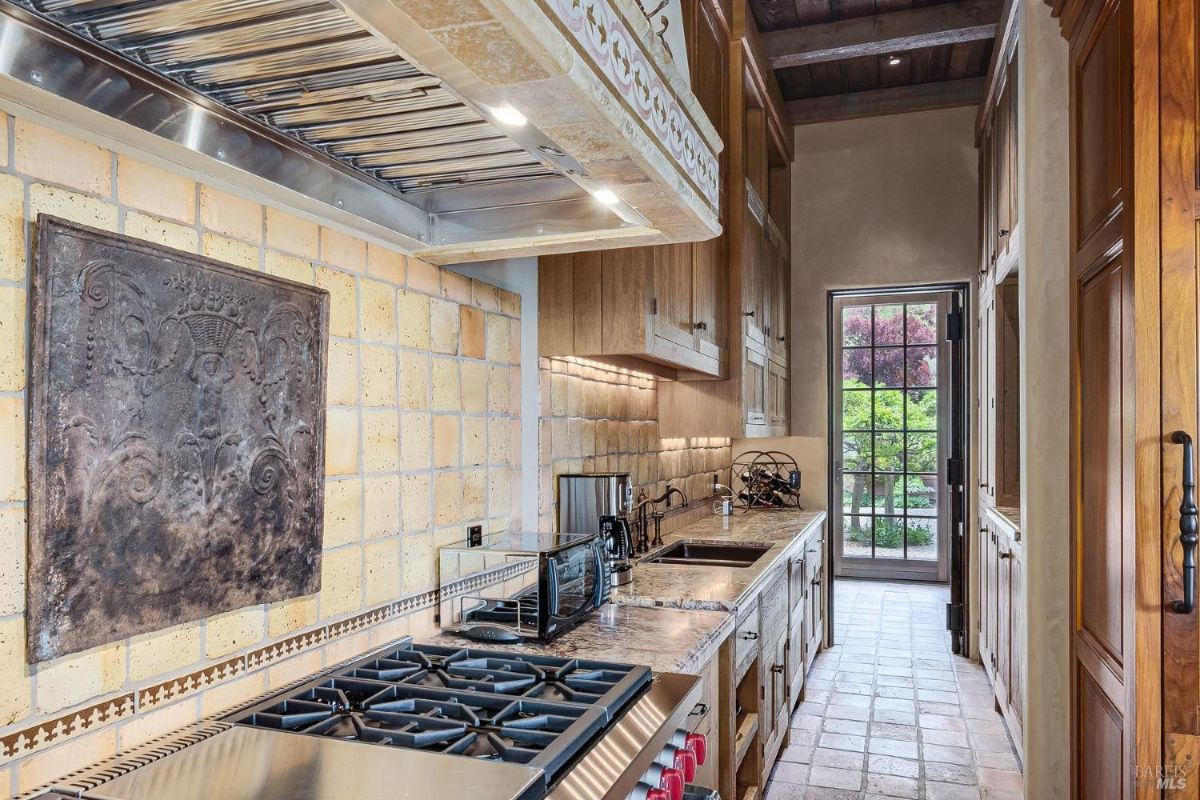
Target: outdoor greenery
[(896, 386)]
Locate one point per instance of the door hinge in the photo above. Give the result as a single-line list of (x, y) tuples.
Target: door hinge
[(653, 305), (954, 617), (954, 471), (954, 326)]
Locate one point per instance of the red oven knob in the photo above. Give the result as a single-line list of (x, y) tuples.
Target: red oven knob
[(672, 781), (698, 745), (658, 794), (685, 762)]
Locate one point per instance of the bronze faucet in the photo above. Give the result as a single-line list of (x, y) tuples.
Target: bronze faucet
[(642, 539)]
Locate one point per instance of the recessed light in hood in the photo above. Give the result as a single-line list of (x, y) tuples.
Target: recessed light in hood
[(350, 111)]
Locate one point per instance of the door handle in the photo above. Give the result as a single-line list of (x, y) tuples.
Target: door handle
[(1188, 526)]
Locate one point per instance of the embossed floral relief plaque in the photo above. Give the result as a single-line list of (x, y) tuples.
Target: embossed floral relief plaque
[(177, 426)]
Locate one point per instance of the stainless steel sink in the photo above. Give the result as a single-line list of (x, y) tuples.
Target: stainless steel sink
[(709, 554)]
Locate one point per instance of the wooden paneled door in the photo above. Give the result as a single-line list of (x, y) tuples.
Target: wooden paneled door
[(1135, 657)]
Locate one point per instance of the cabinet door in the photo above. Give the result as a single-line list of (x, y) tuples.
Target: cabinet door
[(987, 591), (673, 317), (754, 247), (708, 56), (985, 202), (1001, 180), (754, 385), (1011, 122), (797, 611), (1003, 615), (773, 717), (987, 413), (781, 318), (709, 293), (815, 620), (1016, 649)]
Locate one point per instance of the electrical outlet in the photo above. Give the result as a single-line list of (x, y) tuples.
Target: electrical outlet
[(474, 536)]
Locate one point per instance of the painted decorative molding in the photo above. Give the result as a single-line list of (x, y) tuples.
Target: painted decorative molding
[(602, 36)]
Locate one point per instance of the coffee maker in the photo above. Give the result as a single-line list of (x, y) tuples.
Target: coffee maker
[(600, 502)]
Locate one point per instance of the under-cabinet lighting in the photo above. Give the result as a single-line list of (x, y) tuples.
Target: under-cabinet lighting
[(893, 61)]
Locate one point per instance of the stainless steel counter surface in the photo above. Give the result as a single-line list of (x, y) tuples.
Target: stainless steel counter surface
[(718, 588), (666, 640)]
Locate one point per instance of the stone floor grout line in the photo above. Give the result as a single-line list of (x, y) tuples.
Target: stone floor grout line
[(938, 705)]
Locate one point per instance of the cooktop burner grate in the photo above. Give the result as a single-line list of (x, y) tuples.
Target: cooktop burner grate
[(484, 704)]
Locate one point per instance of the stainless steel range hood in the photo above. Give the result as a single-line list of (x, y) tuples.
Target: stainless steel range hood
[(347, 111)]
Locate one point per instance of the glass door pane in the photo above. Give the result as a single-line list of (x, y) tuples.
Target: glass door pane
[(889, 427)]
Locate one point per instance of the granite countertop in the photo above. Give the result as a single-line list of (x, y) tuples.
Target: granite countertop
[(718, 588), (664, 639), (1010, 514)]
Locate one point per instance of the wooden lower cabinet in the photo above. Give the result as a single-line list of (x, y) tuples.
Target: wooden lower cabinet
[(760, 671), (1002, 617)]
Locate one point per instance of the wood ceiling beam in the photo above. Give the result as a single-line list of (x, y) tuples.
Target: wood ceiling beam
[(897, 100), (880, 34)]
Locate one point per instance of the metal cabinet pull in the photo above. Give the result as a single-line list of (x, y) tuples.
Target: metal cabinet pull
[(701, 326), (777, 668), (1188, 526), (750, 636), (700, 710), (1006, 555)]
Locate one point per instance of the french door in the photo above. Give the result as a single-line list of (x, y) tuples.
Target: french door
[(891, 424)]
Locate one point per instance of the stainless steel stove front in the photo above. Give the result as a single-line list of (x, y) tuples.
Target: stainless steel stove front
[(253, 764)]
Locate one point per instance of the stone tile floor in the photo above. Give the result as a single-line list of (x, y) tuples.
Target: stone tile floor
[(890, 712)]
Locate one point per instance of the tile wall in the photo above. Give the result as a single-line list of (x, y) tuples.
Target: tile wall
[(600, 418), (422, 439)]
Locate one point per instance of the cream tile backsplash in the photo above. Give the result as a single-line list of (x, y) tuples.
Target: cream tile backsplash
[(422, 420)]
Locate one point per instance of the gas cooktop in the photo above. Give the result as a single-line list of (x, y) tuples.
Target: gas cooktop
[(534, 710)]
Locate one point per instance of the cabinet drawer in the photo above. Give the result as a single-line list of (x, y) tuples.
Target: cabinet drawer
[(773, 603), (745, 642), (700, 718), (797, 570)]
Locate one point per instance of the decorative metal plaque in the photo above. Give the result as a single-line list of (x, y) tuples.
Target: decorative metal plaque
[(177, 418)]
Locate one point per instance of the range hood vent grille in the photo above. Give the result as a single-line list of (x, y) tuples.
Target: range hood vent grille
[(311, 72)]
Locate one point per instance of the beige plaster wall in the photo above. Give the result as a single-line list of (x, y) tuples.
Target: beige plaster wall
[(875, 202), (1043, 173), (878, 202)]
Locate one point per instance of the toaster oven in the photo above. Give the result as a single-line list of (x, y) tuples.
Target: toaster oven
[(516, 586)]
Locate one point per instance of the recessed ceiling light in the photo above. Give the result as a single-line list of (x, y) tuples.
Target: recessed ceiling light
[(606, 196), (893, 61), (507, 115)]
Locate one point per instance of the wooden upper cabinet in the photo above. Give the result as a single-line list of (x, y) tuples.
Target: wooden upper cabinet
[(631, 303), (999, 224), (755, 399), (668, 305)]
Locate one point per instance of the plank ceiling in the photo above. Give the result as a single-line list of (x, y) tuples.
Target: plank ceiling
[(925, 65)]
